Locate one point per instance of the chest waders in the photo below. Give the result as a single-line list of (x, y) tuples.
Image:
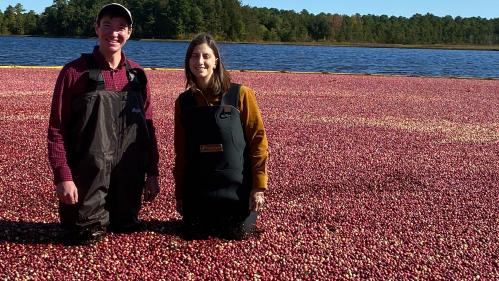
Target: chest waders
[(106, 139), (217, 181)]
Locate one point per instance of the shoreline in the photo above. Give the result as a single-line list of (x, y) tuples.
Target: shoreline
[(272, 71), (352, 45), (319, 44)]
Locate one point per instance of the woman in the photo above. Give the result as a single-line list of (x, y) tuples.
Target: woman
[(220, 148)]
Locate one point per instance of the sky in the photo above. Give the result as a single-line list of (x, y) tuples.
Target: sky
[(406, 8)]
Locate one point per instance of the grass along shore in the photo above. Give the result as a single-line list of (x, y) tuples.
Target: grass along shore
[(358, 45)]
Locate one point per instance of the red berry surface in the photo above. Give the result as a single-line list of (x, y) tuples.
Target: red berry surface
[(371, 177)]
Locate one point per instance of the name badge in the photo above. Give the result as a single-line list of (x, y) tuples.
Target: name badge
[(207, 148)]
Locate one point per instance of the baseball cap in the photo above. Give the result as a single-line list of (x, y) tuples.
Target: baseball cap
[(115, 9)]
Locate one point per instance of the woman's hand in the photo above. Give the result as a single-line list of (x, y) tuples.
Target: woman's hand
[(257, 199)]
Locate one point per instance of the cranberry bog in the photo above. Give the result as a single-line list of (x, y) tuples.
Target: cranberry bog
[(371, 177)]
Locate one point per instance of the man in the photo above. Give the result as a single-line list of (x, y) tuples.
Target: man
[(101, 137)]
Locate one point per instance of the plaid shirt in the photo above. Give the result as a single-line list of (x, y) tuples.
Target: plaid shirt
[(73, 81)]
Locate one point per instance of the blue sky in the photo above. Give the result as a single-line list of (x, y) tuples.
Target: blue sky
[(406, 8)]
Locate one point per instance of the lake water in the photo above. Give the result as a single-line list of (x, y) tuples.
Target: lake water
[(419, 62)]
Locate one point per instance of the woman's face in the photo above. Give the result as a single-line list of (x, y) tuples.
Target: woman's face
[(202, 63)]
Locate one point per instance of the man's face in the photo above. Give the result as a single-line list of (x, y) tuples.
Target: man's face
[(113, 32)]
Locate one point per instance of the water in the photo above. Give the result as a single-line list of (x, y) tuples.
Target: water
[(418, 62)]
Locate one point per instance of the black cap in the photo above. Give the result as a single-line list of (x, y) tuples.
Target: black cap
[(115, 9)]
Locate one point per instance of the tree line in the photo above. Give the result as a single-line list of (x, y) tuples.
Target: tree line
[(231, 21)]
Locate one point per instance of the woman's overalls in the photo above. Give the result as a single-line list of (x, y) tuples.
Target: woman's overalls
[(217, 179)]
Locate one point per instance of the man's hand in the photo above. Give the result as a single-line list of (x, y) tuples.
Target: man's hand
[(67, 192), (151, 189), (257, 199)]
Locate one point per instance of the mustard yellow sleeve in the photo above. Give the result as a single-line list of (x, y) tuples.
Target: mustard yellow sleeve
[(179, 148), (256, 137)]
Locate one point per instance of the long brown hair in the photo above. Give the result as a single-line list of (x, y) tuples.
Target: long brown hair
[(220, 81)]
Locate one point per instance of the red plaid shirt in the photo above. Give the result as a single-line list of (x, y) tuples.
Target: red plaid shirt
[(72, 81)]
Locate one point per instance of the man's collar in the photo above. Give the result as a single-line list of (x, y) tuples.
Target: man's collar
[(101, 60)]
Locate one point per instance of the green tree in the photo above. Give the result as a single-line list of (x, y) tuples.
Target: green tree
[(229, 20), (10, 20), (319, 27), (18, 25), (31, 23), (159, 20), (335, 21), (3, 29), (495, 24), (345, 33), (231, 17), (254, 30), (357, 28), (368, 23)]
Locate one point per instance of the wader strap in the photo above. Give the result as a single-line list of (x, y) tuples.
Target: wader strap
[(138, 82), (137, 78), (131, 76), (232, 97), (186, 101), (95, 78)]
